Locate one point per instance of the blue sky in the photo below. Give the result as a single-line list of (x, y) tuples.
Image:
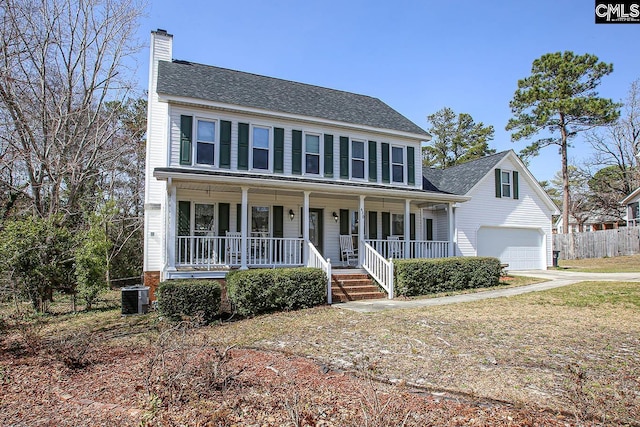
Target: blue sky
[(416, 56)]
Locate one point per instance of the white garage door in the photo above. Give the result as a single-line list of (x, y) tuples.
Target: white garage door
[(521, 248)]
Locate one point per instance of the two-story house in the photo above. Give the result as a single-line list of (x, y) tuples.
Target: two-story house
[(249, 171)]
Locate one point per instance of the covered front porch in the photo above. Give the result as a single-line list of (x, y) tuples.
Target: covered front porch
[(214, 225)]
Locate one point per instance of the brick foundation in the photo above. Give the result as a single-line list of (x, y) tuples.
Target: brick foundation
[(152, 279)]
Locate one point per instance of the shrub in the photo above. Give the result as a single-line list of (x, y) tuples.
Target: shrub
[(263, 291), (189, 298), (427, 276)]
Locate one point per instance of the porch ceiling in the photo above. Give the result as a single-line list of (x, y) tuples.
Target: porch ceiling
[(286, 185)]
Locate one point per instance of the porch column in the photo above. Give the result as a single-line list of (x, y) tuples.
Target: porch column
[(305, 228), (453, 236), (172, 212), (407, 229), (361, 231), (243, 228)]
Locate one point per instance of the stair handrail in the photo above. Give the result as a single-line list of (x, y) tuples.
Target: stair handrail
[(379, 268), (316, 260)]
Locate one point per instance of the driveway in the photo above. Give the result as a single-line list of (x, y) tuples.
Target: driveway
[(555, 279)]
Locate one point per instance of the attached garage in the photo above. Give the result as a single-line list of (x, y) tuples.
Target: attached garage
[(521, 248)]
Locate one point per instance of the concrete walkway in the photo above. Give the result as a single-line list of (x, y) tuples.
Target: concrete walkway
[(555, 279)]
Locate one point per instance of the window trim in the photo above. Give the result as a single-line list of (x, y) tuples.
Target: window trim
[(215, 143), (510, 184), (403, 164), (269, 149), (319, 153), (364, 159)]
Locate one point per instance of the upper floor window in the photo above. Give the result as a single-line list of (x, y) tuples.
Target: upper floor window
[(505, 179), (260, 150), (357, 159), (206, 138), (312, 154), (397, 164)]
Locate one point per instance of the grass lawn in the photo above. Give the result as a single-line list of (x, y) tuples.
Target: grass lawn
[(573, 352), (621, 264)]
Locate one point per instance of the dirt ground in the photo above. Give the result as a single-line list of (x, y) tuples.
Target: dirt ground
[(183, 381)]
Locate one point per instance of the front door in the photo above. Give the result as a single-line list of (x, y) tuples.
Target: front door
[(316, 229)]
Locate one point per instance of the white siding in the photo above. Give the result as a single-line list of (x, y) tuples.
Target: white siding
[(485, 209), (155, 192), (176, 111)]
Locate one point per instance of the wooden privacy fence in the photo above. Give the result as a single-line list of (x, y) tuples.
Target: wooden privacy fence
[(598, 244)]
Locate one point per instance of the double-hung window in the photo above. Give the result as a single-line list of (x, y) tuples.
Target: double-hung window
[(206, 139), (203, 222), (397, 224), (260, 148), (357, 159), (260, 220), (312, 154), (505, 179), (397, 164)]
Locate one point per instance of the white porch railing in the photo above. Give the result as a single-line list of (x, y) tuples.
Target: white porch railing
[(215, 252), (379, 268), (317, 261), (417, 248)]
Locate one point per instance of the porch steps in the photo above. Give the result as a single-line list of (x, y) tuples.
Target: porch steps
[(354, 286)]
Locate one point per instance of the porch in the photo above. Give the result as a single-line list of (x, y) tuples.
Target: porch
[(218, 254)]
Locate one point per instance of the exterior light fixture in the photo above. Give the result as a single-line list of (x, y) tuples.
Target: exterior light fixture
[(291, 214), (335, 216)]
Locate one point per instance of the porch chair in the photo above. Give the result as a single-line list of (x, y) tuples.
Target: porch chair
[(394, 247), (233, 249), (347, 252)]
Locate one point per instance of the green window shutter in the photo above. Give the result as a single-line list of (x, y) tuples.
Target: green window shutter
[(278, 150), (238, 217), (296, 152), (328, 155), (223, 218), (243, 146), (373, 225), (385, 162), (278, 221), (498, 183), (373, 161), (516, 189), (186, 132), (345, 227), (184, 218), (429, 229), (225, 144), (386, 225), (344, 157), (411, 165), (412, 226)]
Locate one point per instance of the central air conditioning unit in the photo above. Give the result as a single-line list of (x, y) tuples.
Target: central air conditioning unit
[(135, 300)]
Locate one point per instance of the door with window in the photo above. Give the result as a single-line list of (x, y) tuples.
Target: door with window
[(316, 229)]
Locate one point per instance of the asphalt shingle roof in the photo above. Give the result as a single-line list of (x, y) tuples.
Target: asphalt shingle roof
[(461, 178), (181, 78)]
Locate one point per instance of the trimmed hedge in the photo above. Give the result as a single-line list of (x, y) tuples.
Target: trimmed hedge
[(429, 276), (188, 298), (267, 290)]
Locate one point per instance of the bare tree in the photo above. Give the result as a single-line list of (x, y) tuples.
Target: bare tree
[(613, 167), (61, 61)]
